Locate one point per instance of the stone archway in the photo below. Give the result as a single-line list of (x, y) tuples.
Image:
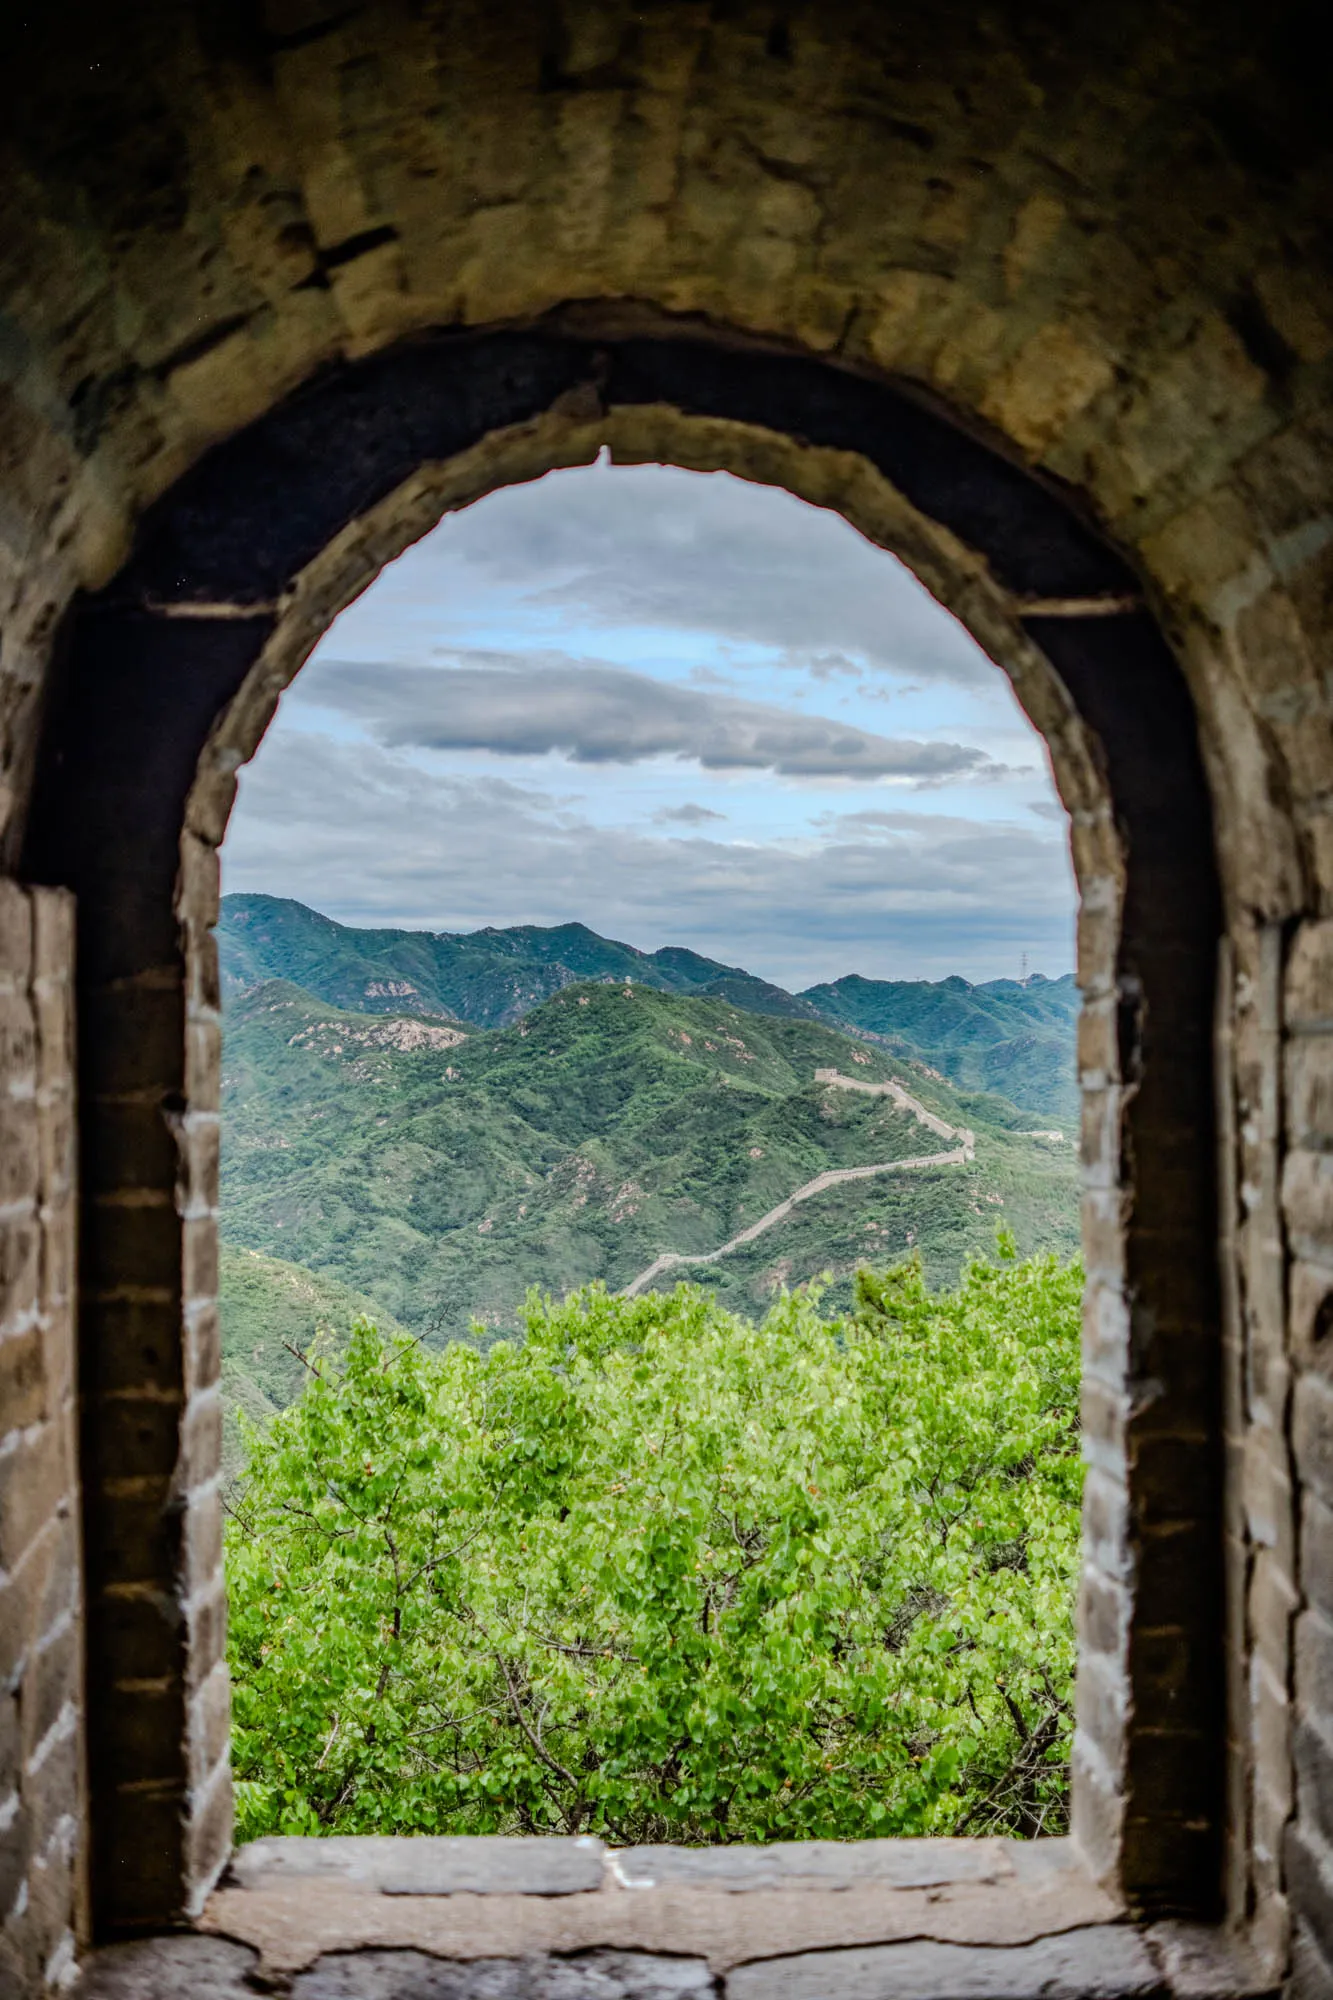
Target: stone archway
[(1099, 241), (180, 658)]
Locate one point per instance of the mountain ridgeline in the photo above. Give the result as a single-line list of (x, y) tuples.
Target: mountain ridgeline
[(601, 1114), (1007, 1036)]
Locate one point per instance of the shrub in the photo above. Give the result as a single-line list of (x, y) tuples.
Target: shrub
[(661, 1573)]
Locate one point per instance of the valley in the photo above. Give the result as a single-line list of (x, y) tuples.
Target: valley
[(437, 1167)]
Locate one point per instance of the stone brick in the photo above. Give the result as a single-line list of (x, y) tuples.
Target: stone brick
[(1313, 1652), (11, 1758), (1308, 999), (1104, 1613), (203, 1346), (131, 1245), (210, 1722), (15, 933), (18, 1041), (20, 1276), (53, 1682), (14, 1842), (1273, 1600), (165, 1968), (208, 1839), (34, 1478), (130, 1145), (143, 1631), (1310, 1878), (203, 1056), (135, 1536), (139, 1435), (53, 1784), (1099, 1964), (201, 1163), (142, 1742), (431, 1865), (1311, 1295), (137, 1343), (136, 1030), (23, 1398), (1309, 1090), (201, 1439), (1307, 1199), (199, 1258), (1317, 1552), (207, 1630), (593, 1975), (200, 884), (1311, 1971), (39, 1590), (149, 1844), (202, 1539), (1312, 1433), (1313, 1756)]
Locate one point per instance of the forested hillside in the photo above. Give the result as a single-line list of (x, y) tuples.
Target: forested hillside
[(1006, 1036), (443, 1171), (1017, 1039)]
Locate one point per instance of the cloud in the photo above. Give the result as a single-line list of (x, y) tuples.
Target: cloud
[(515, 706), (368, 837), (687, 815), (705, 552)]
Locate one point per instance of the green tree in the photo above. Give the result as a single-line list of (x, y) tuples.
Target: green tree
[(661, 1573)]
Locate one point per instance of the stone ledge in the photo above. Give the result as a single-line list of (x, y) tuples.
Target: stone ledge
[(425, 1865), (495, 1919), (295, 1901), (1105, 1962)]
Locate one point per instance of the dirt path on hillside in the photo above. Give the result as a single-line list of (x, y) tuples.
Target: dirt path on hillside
[(959, 1156)]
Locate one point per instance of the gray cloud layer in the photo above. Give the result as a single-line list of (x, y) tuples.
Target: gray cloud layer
[(653, 545), (360, 834), (596, 714)]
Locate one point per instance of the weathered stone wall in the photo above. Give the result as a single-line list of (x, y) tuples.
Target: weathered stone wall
[(41, 1663), (1104, 238)]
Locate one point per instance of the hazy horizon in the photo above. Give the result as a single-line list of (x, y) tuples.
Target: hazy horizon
[(568, 923)]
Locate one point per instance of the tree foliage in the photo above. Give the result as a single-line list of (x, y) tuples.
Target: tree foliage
[(662, 1573)]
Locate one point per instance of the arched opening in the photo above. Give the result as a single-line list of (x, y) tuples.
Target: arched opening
[(168, 678), (539, 901)]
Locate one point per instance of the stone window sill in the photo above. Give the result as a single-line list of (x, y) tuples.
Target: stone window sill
[(476, 1919)]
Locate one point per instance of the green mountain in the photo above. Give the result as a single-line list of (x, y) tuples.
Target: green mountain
[(443, 1171), (490, 977), (1005, 1036)]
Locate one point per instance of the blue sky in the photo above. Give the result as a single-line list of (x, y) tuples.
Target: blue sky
[(677, 707)]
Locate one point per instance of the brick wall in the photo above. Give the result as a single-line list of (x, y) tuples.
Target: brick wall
[(41, 1626), (1107, 244)]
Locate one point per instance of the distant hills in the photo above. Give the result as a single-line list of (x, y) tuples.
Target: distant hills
[(1006, 1036), (439, 1172)]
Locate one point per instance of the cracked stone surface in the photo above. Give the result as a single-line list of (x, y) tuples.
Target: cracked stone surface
[(1102, 1964), (170, 1968), (596, 1975)]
